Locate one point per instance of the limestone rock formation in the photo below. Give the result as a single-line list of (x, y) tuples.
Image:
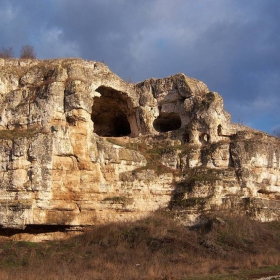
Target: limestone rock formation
[(79, 146)]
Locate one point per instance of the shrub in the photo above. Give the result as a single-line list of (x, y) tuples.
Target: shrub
[(28, 52), (6, 52)]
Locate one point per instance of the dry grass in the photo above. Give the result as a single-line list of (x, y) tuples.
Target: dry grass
[(20, 133), (153, 248)]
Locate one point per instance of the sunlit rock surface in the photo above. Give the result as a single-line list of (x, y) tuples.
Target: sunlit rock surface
[(79, 146)]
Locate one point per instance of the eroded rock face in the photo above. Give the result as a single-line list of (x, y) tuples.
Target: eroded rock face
[(79, 146)]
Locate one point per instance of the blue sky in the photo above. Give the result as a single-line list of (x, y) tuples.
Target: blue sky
[(231, 45)]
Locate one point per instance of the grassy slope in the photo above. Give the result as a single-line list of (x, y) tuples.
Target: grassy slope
[(153, 248)]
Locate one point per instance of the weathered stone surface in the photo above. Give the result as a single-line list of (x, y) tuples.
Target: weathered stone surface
[(79, 146)]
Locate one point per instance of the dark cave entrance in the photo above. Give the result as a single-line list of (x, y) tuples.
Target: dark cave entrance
[(186, 137), (167, 122), (219, 130), (204, 138), (109, 113)]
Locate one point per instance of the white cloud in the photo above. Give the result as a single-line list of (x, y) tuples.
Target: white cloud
[(53, 42), (8, 14), (265, 103)]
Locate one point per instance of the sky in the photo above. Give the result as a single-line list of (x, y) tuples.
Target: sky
[(231, 45)]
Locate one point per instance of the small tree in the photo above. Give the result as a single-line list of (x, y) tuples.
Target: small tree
[(6, 52), (27, 51)]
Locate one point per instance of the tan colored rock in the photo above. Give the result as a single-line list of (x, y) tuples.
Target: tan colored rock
[(79, 147)]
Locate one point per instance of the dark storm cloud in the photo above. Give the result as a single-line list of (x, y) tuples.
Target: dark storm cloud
[(106, 30), (20, 22), (233, 46)]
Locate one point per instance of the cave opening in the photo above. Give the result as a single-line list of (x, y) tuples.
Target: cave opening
[(219, 130), (109, 113), (186, 137), (167, 122), (34, 229), (204, 138)]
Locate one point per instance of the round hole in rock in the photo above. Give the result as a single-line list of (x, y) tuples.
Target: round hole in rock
[(108, 114), (204, 138), (167, 122)]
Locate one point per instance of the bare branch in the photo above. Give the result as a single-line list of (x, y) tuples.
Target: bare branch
[(6, 52), (27, 51)]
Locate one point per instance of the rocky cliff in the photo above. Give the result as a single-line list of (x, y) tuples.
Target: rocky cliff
[(79, 146)]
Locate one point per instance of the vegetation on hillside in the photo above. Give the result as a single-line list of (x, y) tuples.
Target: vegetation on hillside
[(26, 52), (18, 133), (227, 247)]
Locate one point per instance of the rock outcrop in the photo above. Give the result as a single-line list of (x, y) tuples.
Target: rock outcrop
[(79, 146)]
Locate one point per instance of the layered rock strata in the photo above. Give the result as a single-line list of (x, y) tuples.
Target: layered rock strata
[(79, 146)]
